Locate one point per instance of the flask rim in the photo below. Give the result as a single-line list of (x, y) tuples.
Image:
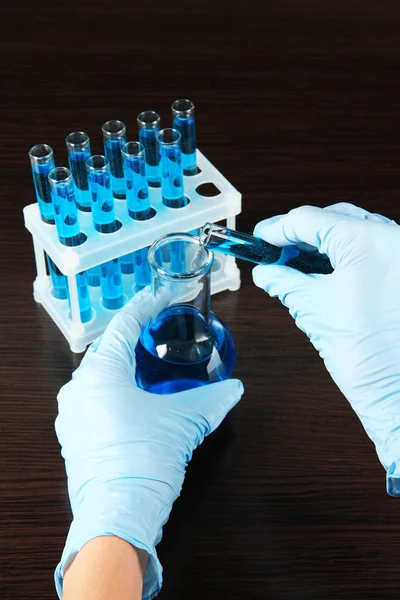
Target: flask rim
[(179, 237)]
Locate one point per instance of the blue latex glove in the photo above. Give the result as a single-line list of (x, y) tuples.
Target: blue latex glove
[(125, 449), (352, 316)]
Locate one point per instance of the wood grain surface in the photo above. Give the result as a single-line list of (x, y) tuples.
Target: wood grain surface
[(298, 102)]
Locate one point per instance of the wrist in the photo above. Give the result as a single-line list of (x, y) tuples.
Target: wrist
[(120, 509), (106, 567)]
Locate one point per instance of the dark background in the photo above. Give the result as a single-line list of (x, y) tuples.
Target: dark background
[(297, 102)]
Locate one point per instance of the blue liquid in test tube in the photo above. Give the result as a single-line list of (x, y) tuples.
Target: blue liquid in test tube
[(58, 280), (142, 269), (111, 284), (149, 127), (78, 146), (42, 162), (104, 221), (66, 213), (103, 212), (85, 309), (137, 191), (136, 181), (171, 169), (114, 136), (127, 266), (69, 234), (93, 276), (183, 121)]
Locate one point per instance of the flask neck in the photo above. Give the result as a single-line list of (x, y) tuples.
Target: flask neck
[(182, 267), (193, 293)]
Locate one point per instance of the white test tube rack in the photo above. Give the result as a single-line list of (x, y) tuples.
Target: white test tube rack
[(133, 235)]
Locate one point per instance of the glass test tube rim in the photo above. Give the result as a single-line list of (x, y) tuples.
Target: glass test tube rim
[(206, 232), (167, 131), (82, 144), (179, 237), (44, 158), (118, 133), (182, 112), (54, 179), (141, 150), (100, 157), (149, 124)]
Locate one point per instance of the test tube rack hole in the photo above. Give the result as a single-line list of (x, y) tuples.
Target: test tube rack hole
[(132, 235)]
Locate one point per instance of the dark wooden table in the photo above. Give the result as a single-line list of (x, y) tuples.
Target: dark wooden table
[(297, 102)]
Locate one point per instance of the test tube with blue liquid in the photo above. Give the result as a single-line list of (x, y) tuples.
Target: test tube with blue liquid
[(65, 210), (183, 121), (137, 189), (104, 221), (256, 250), (85, 308), (142, 269), (103, 213), (148, 127), (137, 193), (42, 162), (114, 136), (171, 169), (59, 281), (68, 230), (78, 146)]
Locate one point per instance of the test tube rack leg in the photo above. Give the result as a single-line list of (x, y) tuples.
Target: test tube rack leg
[(99, 248)]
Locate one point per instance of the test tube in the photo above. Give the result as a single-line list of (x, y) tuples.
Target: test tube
[(171, 169), (255, 250), (103, 212), (111, 284), (58, 280), (104, 221), (114, 136), (142, 269), (137, 190), (183, 121), (78, 146), (126, 261), (42, 162), (85, 308), (66, 213), (148, 127), (93, 276)]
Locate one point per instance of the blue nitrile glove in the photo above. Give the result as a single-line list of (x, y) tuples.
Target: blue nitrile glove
[(125, 449), (352, 316)]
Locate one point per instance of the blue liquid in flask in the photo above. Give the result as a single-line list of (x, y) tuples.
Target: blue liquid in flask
[(181, 350)]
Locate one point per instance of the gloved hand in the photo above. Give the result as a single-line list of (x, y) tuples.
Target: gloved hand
[(125, 449), (352, 316)]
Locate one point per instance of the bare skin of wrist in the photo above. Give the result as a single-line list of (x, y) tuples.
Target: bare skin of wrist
[(107, 568)]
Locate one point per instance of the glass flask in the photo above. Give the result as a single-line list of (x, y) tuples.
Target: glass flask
[(185, 345)]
